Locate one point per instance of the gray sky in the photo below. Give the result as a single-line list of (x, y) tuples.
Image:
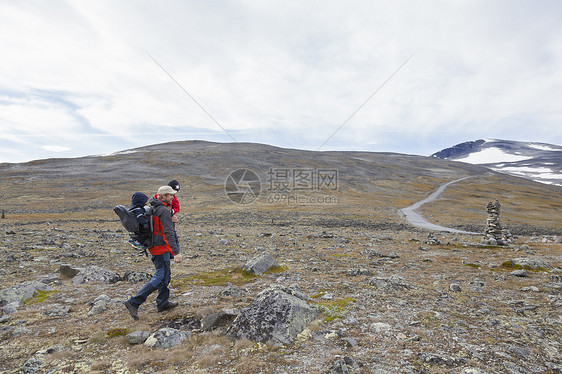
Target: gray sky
[(77, 78)]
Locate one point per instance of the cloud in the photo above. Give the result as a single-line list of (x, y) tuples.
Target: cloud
[(288, 73), (55, 148)]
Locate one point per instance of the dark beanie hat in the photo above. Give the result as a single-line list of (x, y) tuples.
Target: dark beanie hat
[(174, 184)]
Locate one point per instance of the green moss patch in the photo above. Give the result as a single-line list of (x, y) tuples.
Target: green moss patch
[(236, 276), (332, 309), (39, 297), (112, 333), (511, 266)]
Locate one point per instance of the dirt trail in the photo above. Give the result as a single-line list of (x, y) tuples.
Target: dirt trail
[(415, 219)]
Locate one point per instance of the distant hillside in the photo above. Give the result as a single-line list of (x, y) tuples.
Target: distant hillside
[(540, 162), (372, 186)]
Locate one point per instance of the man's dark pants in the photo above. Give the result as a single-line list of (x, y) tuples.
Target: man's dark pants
[(160, 281)]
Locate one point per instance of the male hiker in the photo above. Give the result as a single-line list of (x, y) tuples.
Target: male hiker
[(164, 249)]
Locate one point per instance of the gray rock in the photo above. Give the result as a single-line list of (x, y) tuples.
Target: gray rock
[(344, 366), (166, 338), (137, 277), (519, 273), (58, 311), (69, 271), (531, 263), (277, 315), (222, 319), (519, 351), (556, 368), (350, 341), (96, 274), (473, 371), (455, 287), (260, 264), (441, 360), (137, 337), (32, 365), (21, 292), (357, 272), (393, 283), (514, 369), (232, 291), (99, 305), (11, 308)]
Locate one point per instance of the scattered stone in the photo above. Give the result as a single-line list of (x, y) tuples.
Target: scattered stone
[(344, 365), (58, 311), (455, 287), (441, 360), (137, 337), (519, 273), (357, 272), (380, 327), (519, 351), (382, 237), (260, 264), (277, 315), (350, 341), (374, 253), (473, 371), (530, 289), (223, 242), (136, 276), (432, 239), (232, 291), (21, 292), (393, 283), (96, 274), (99, 305), (530, 263), (514, 369), (222, 319), (11, 308), (69, 271), (166, 338)]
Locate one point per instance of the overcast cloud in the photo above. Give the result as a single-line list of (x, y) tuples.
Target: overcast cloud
[(77, 78)]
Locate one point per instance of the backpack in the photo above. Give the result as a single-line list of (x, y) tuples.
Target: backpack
[(130, 223)]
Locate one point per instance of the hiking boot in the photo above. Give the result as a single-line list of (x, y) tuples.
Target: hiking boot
[(133, 311), (168, 306)]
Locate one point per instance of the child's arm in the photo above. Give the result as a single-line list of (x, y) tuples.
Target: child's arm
[(175, 205), (139, 213)]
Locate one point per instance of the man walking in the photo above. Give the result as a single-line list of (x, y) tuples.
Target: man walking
[(163, 250)]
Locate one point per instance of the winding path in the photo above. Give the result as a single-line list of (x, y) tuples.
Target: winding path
[(415, 219)]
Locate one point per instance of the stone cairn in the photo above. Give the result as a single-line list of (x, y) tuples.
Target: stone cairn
[(494, 233), (432, 239)]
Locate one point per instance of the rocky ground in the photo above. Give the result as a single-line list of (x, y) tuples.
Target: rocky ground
[(387, 302)]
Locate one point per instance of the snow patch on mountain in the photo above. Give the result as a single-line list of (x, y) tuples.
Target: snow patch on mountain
[(540, 162), (491, 155)]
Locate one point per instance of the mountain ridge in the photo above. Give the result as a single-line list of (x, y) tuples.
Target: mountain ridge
[(541, 162)]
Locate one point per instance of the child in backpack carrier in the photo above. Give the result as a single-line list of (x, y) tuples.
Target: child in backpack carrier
[(138, 238)]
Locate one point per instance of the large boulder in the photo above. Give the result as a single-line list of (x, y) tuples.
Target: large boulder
[(21, 292), (96, 274), (277, 315), (260, 264), (530, 263)]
